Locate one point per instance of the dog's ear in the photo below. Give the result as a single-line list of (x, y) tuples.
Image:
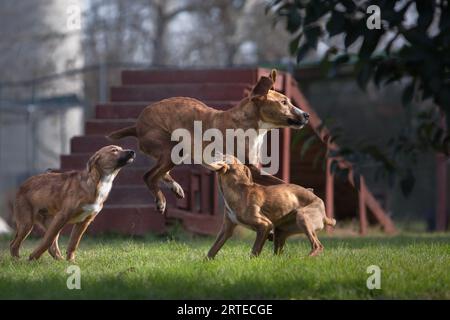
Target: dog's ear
[(262, 87), (273, 75), (248, 173), (92, 163), (224, 168), (218, 166)]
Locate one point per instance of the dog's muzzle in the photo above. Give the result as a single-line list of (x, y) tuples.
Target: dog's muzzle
[(127, 157), (301, 119), (298, 122)]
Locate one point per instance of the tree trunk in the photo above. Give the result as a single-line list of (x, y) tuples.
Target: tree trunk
[(159, 46)]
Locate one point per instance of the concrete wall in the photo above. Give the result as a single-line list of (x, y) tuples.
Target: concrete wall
[(32, 141)]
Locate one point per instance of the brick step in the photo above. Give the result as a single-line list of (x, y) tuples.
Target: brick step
[(140, 195), (188, 76), (124, 110), (91, 143), (134, 176), (199, 223), (129, 220), (105, 126), (78, 161), (200, 91)]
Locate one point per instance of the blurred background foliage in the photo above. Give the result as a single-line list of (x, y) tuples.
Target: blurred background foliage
[(411, 47)]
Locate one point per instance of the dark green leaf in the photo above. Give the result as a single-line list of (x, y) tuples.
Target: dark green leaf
[(314, 11), (336, 23), (425, 9), (350, 37), (342, 174), (334, 138), (437, 136), (307, 145), (408, 94), (444, 21), (294, 20), (349, 5), (319, 156), (298, 136), (334, 166), (343, 58), (418, 37), (357, 178), (312, 35), (370, 43), (302, 52), (364, 74), (293, 45)]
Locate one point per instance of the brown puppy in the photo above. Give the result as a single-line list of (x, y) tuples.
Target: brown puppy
[(51, 200), (287, 209), (262, 110)]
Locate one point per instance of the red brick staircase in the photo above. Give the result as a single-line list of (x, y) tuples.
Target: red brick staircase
[(130, 207)]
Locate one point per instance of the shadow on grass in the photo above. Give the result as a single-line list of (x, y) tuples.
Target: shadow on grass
[(160, 285), (227, 277)]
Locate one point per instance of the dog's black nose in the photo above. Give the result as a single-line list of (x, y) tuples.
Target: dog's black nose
[(306, 115), (131, 153)]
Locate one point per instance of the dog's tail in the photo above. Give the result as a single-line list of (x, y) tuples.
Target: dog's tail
[(329, 221), (121, 133)]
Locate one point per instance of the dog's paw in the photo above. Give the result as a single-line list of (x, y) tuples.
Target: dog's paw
[(178, 190), (58, 257), (161, 206), (315, 252), (33, 257)]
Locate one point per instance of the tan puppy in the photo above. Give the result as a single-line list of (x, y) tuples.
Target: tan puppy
[(51, 200), (286, 208), (263, 109)]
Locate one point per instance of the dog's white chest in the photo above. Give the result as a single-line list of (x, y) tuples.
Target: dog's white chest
[(257, 143), (102, 194), (230, 213)]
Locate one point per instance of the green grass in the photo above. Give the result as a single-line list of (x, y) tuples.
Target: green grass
[(412, 266)]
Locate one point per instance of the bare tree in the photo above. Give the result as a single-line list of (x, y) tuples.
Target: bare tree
[(228, 33)]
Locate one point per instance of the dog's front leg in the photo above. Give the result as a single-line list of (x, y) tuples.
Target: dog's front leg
[(262, 225), (305, 225), (50, 235), (75, 236), (262, 231), (279, 239), (224, 234), (54, 249)]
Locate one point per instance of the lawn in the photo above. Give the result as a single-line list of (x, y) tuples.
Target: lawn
[(412, 266)]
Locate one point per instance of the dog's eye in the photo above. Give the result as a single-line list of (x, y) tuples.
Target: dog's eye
[(284, 102), (115, 150)]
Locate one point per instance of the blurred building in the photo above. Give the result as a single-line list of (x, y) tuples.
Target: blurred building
[(41, 105)]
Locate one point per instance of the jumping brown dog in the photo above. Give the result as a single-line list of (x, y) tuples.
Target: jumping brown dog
[(263, 109), (287, 209), (52, 200)]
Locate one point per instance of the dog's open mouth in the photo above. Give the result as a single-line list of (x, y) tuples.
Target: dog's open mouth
[(295, 123)]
